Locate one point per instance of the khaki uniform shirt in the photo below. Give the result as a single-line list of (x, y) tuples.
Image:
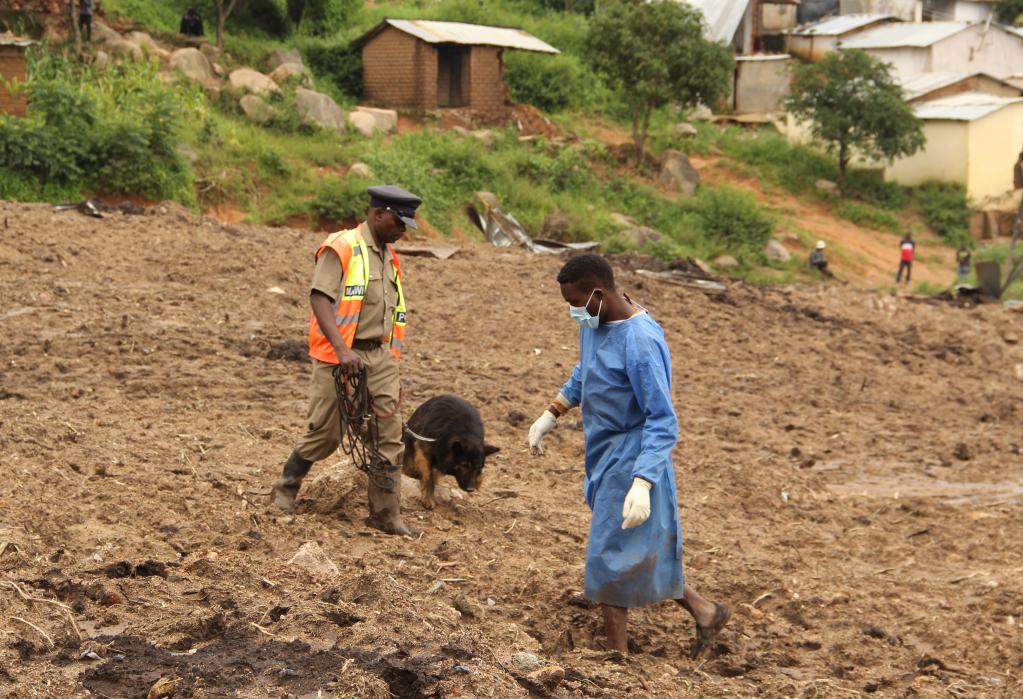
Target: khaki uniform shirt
[(377, 316)]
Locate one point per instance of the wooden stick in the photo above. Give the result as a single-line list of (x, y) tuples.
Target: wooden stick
[(41, 632)]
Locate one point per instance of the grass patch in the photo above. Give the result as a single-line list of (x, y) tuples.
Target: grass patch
[(867, 216), (946, 209)]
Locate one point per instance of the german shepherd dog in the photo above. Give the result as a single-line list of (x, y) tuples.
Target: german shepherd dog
[(444, 437)]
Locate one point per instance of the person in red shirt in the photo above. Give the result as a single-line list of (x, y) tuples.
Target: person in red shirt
[(906, 248)]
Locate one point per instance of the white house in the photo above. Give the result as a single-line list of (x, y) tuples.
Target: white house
[(813, 41), (906, 10), (913, 48), (958, 10), (931, 86)]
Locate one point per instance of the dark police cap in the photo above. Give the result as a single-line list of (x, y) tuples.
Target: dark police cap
[(401, 203)]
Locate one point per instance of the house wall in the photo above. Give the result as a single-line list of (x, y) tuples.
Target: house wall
[(12, 69), (774, 19), (906, 62), (972, 11), (944, 157), (399, 70), (977, 83), (760, 86), (997, 52), (810, 48), (994, 145), (486, 84), (907, 10)]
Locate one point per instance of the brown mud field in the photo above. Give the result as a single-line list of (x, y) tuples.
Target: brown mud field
[(849, 472)]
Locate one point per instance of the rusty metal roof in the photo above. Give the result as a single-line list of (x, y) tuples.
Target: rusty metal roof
[(467, 34), (841, 25), (920, 85), (968, 106), (903, 35)]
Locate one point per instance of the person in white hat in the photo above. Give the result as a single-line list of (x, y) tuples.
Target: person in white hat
[(817, 259)]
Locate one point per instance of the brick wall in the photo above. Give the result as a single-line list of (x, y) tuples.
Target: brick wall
[(12, 68), (486, 86), (399, 70)]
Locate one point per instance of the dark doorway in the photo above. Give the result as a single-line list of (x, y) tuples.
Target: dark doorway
[(452, 75)]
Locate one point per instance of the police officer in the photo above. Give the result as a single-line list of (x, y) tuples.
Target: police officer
[(358, 320)]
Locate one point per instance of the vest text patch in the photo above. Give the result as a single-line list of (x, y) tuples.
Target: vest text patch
[(399, 317), (355, 290)]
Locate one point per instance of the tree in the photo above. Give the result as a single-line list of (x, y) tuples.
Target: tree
[(1009, 11), (654, 53), (224, 10), (853, 105)]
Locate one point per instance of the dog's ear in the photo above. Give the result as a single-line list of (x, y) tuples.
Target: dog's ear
[(456, 447), (489, 449)]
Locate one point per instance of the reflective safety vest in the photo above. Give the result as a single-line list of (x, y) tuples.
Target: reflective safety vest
[(354, 254)]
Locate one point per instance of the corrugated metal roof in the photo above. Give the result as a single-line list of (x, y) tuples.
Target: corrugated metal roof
[(11, 40), (929, 82), (723, 17), (904, 34), (470, 34), (838, 26), (968, 106), (765, 57)]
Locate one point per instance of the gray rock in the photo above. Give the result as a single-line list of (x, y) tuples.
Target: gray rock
[(363, 123), (774, 250), (362, 170), (211, 51), (549, 677), (287, 72), (702, 266), (279, 57), (525, 662), (142, 40), (317, 109), (193, 64), (102, 32), (556, 226), (624, 221), (683, 130), (726, 262), (640, 236), (256, 109), (386, 119), (248, 80), (702, 113), (484, 137), (312, 558), (122, 48), (102, 61), (826, 186), (163, 54), (678, 173)]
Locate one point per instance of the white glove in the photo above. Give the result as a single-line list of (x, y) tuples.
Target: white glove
[(637, 504), (544, 424)]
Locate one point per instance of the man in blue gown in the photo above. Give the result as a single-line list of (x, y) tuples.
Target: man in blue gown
[(623, 385)]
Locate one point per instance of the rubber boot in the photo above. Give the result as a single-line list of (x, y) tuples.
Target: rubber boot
[(284, 493), (385, 500)]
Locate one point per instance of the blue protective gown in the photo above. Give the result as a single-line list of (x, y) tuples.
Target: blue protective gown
[(623, 384)]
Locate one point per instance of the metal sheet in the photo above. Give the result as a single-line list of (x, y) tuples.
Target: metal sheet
[(838, 26), (471, 35), (723, 17), (904, 34), (967, 106)]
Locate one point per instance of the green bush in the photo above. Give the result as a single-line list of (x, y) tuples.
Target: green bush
[(867, 215), (793, 167), (871, 187), (552, 83), (322, 17), (946, 208), (341, 199), (338, 63), (734, 218)]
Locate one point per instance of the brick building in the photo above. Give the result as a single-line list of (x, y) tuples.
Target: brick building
[(12, 70), (430, 65)]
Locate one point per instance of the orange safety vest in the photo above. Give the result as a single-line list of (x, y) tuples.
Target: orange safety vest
[(353, 252)]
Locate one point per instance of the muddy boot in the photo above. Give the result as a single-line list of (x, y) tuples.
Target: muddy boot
[(284, 493), (385, 500)]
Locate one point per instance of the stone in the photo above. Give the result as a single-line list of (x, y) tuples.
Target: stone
[(211, 51), (726, 262), (288, 72), (549, 677), (386, 119), (702, 113), (774, 250), (556, 226), (256, 109), (187, 152), (826, 186), (363, 123), (461, 131), (102, 32), (162, 54), (248, 80), (279, 57), (678, 173), (310, 557), (122, 48), (683, 130), (484, 137), (362, 170), (142, 40), (193, 64), (317, 109), (640, 236), (102, 61), (963, 452), (218, 70), (624, 221), (525, 662), (1009, 337), (702, 266), (1018, 369)]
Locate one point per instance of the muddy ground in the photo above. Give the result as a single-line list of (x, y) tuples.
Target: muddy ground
[(849, 474)]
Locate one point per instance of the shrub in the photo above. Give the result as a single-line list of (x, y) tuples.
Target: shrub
[(734, 218), (871, 187), (341, 199), (793, 167), (946, 208), (340, 64), (552, 83), (867, 215)]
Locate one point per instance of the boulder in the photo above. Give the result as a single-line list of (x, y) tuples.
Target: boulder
[(678, 173), (826, 186), (142, 40), (122, 48), (640, 236), (248, 80), (102, 61), (291, 71), (312, 558), (362, 170), (624, 221), (702, 266), (525, 662), (386, 119), (193, 64), (556, 226), (702, 113), (163, 54), (279, 57), (726, 262), (102, 32), (317, 109), (484, 137), (548, 677), (774, 250), (218, 69), (363, 123), (211, 51), (256, 109), (683, 130)]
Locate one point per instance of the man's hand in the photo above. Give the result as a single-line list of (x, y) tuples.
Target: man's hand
[(636, 509), (544, 424), (351, 363)]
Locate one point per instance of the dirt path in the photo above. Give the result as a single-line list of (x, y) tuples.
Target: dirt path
[(845, 476)]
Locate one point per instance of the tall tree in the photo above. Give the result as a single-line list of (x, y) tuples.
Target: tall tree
[(224, 10), (1009, 11), (654, 53), (853, 105)]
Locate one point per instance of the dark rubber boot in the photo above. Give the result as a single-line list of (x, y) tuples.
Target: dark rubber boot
[(284, 493), (385, 500)]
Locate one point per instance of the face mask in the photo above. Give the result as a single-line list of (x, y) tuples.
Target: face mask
[(582, 316)]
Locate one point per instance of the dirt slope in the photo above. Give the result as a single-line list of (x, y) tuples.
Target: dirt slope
[(849, 476)]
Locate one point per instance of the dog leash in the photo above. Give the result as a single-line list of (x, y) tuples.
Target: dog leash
[(360, 435)]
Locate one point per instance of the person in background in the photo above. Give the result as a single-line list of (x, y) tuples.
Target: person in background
[(85, 20), (963, 257), (907, 246), (818, 261), (191, 23)]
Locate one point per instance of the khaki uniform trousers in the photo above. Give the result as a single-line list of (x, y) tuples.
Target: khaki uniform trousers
[(324, 430)]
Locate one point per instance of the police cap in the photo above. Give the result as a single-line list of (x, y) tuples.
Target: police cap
[(401, 203)]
